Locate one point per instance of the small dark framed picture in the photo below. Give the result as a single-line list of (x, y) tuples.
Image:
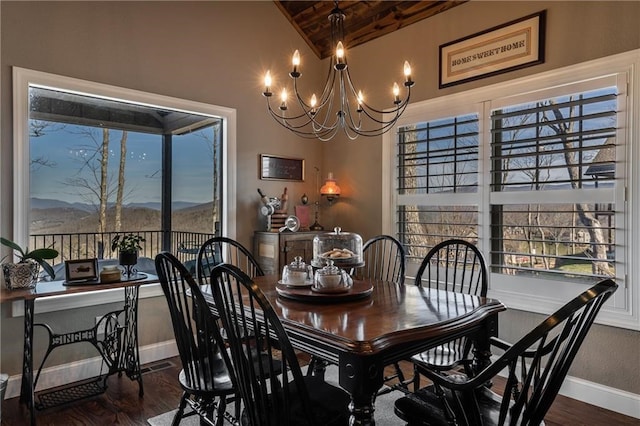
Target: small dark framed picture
[(81, 269), (281, 168)]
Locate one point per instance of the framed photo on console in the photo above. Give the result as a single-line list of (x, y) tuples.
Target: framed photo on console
[(81, 270)]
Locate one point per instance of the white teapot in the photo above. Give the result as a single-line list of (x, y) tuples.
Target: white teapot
[(297, 272), (331, 278)]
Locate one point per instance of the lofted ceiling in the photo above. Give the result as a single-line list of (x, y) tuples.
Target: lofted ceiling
[(364, 20)]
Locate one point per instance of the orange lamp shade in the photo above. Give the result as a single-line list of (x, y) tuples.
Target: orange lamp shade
[(330, 189)]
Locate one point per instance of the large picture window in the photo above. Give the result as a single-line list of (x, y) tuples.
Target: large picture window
[(540, 179), (92, 161)]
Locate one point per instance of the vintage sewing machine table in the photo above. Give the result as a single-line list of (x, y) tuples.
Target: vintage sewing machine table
[(118, 346)]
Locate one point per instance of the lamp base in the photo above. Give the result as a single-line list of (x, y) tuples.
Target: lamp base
[(316, 227)]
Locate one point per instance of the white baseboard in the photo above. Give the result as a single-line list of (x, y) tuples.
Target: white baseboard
[(606, 397), (87, 368)]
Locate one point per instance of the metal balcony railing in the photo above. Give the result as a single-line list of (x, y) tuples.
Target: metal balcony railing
[(87, 245)]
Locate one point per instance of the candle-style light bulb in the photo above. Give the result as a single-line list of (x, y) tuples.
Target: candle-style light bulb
[(360, 100), (314, 102), (267, 84), (295, 60), (396, 93), (283, 98), (407, 74), (340, 65)]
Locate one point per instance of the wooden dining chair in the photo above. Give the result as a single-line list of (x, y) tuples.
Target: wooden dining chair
[(537, 365), (206, 381), (452, 265), (269, 399), (218, 250), (384, 258)]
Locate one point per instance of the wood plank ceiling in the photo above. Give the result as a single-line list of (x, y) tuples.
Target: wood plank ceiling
[(364, 20)]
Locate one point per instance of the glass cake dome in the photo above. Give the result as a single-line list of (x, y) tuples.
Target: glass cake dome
[(343, 248)]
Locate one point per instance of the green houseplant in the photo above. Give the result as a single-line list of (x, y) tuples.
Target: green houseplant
[(127, 246), (129, 243), (24, 273)]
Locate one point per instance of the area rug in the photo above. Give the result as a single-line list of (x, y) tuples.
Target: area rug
[(383, 414)]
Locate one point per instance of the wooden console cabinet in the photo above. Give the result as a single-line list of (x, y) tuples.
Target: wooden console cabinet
[(274, 250)]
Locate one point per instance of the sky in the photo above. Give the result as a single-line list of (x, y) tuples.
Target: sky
[(65, 149)]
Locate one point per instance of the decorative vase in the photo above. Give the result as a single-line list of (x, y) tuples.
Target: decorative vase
[(128, 259), (21, 275)]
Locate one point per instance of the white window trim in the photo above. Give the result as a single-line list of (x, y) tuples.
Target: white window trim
[(22, 79), (623, 309)]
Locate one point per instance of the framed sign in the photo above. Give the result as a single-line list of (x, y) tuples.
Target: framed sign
[(81, 270), (514, 45), (281, 168)]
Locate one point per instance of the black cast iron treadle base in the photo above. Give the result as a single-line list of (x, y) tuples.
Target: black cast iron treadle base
[(79, 390)]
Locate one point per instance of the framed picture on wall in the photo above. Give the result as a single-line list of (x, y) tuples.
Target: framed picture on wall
[(281, 168), (514, 45)]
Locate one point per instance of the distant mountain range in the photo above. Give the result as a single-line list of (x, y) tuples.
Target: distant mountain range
[(46, 203)]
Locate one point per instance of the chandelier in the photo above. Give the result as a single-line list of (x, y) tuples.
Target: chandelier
[(340, 105)]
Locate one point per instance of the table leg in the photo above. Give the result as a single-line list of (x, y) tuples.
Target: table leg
[(361, 377), (482, 345), (130, 360), (26, 386)]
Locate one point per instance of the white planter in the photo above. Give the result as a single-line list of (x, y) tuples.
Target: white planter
[(21, 275)]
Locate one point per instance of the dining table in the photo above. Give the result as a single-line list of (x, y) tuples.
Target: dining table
[(375, 324)]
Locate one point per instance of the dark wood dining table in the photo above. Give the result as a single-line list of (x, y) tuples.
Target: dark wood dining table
[(393, 322)]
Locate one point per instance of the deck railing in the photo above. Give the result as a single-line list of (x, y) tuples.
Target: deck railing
[(86, 245)]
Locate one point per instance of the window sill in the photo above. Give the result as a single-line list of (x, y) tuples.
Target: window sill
[(548, 296)]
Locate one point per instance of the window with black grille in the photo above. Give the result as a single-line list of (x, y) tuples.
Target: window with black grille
[(553, 179)]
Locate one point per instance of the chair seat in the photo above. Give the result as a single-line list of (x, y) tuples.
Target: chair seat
[(329, 405), (219, 384), (425, 408), (442, 357)]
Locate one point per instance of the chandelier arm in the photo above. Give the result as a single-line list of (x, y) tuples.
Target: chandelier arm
[(397, 111), (398, 107), (321, 132), (306, 134), (279, 116), (329, 89), (382, 130), (387, 125), (352, 125), (367, 109), (319, 125), (326, 92)]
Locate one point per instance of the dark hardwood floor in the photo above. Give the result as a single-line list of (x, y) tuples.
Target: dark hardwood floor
[(120, 405)]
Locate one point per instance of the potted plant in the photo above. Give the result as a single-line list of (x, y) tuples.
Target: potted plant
[(127, 246), (24, 273)]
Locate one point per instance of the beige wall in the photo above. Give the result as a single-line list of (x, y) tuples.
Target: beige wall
[(215, 52)]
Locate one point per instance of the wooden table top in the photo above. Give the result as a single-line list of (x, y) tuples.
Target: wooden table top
[(392, 315), (58, 288)]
